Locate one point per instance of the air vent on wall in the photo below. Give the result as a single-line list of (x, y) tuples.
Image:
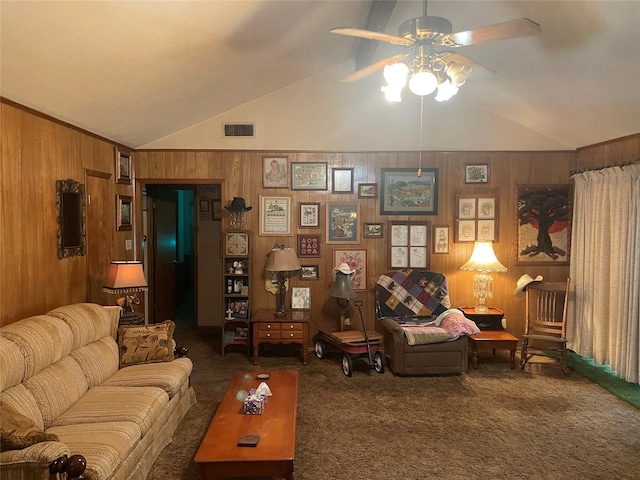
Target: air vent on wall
[(244, 130)]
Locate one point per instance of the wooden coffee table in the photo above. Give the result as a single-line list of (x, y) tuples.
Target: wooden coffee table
[(220, 457), (494, 339)]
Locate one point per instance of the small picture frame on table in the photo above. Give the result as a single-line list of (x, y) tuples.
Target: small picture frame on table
[(300, 298)]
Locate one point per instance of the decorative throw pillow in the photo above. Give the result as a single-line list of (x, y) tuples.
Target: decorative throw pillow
[(18, 431), (140, 344)]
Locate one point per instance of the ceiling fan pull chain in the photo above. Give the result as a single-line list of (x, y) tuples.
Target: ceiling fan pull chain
[(420, 146)]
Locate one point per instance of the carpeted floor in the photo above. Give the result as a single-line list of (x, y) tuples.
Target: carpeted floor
[(490, 423)]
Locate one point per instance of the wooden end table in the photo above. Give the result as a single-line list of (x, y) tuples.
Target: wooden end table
[(494, 339), (220, 456), (291, 328), (489, 320)]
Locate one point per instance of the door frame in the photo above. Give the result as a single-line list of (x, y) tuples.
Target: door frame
[(178, 184)]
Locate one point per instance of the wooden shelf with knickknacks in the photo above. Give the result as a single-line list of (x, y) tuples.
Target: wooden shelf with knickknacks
[(235, 324)]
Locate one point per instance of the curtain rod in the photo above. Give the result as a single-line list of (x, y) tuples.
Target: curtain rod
[(593, 169)]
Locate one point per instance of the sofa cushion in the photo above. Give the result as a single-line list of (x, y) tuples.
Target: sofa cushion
[(140, 344), (169, 376), (18, 431), (12, 364), (105, 445), (42, 339), (57, 387), (98, 360), (88, 322), (140, 405), (23, 401)]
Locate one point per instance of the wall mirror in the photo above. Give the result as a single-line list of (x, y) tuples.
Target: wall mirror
[(70, 203)]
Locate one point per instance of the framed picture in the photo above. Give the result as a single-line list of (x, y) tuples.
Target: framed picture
[(476, 218), (367, 190), (357, 260), (308, 175), (409, 244), (404, 193), (543, 228), (309, 272), (216, 207), (204, 205), (124, 212), (342, 223), (440, 239), (342, 180), (372, 230), (275, 215), (123, 166), (476, 173), (308, 215), (309, 245), (301, 298), (238, 308), (274, 172)]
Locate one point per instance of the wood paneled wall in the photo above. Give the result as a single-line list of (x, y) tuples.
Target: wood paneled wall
[(240, 174), (37, 151)]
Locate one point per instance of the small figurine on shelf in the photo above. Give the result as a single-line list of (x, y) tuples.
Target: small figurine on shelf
[(229, 312), (238, 268)]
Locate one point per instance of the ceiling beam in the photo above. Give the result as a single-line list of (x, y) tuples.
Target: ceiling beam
[(379, 13)]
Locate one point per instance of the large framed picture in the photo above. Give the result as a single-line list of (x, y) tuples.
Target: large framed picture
[(308, 215), (308, 175), (342, 223), (274, 172), (357, 260), (403, 192), (275, 215), (124, 212), (543, 228), (409, 244)]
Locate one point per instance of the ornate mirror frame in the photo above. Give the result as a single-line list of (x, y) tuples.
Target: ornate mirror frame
[(70, 203)]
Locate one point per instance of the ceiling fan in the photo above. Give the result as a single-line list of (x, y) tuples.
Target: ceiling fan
[(428, 66)]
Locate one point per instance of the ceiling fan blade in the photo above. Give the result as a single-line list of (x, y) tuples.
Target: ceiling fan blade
[(477, 70), (522, 27), (375, 67), (383, 37)]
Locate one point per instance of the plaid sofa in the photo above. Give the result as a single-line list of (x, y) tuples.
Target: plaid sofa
[(61, 372)]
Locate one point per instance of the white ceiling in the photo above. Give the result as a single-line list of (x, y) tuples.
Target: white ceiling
[(166, 74)]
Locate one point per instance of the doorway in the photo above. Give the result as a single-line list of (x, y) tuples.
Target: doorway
[(177, 245)]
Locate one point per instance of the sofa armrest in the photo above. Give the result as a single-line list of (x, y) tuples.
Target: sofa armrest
[(180, 352), (52, 456)]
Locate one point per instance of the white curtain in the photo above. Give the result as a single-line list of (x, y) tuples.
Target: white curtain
[(604, 310)]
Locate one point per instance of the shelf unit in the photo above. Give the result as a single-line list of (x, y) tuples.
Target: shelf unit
[(236, 317)]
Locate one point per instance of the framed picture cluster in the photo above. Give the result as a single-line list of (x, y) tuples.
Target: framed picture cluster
[(476, 218), (409, 244)]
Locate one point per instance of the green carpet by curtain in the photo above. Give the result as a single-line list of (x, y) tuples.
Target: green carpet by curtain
[(603, 376)]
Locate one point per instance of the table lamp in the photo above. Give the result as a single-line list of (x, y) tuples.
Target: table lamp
[(282, 260), (483, 260), (126, 278), (342, 289)]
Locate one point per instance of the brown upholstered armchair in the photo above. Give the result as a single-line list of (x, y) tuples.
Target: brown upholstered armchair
[(419, 298)]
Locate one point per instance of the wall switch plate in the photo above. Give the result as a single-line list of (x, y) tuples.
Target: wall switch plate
[(128, 244)]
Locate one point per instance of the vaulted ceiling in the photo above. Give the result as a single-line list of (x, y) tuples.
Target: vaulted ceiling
[(168, 74)]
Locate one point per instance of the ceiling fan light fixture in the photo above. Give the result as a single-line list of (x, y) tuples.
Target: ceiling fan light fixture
[(423, 82), (446, 90), (396, 74), (392, 93), (458, 73)]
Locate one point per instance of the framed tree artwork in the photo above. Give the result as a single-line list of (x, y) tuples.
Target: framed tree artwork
[(543, 229)]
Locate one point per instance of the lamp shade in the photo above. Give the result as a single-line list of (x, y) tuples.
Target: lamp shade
[(282, 259), (342, 288), (483, 259), (125, 277)]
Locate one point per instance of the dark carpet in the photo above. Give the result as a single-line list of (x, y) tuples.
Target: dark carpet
[(490, 423)]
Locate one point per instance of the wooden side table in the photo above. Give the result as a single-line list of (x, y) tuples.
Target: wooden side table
[(491, 320), (292, 328), (494, 339)]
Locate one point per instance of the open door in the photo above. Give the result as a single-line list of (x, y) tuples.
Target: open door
[(165, 255)]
